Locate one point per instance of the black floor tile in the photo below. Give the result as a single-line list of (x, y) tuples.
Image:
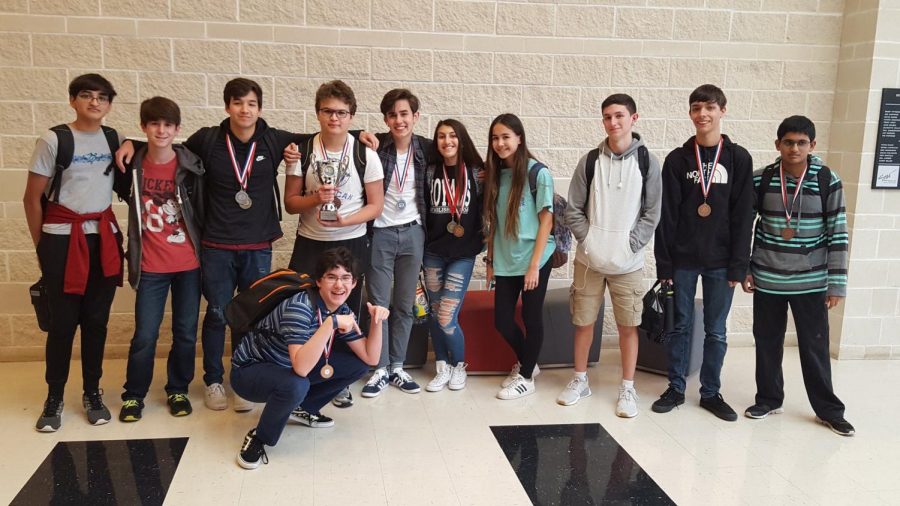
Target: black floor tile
[(133, 471), (577, 464)]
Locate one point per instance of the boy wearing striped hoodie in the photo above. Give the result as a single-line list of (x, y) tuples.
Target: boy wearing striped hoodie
[(799, 259)]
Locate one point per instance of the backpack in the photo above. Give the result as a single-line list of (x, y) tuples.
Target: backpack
[(643, 164), (823, 178), (247, 308), (561, 232), (65, 151), (359, 161)]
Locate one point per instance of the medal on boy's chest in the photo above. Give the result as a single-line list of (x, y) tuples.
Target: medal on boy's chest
[(788, 232), (243, 199), (704, 209), (400, 178), (242, 173), (327, 371)]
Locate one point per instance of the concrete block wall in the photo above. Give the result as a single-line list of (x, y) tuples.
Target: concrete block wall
[(550, 62)]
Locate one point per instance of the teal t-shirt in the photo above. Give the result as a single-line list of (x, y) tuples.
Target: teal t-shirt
[(513, 254)]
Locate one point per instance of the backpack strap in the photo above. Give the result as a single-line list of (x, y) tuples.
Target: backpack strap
[(824, 179), (271, 143), (65, 151), (306, 151), (765, 181), (359, 160), (112, 139), (532, 177), (589, 166)]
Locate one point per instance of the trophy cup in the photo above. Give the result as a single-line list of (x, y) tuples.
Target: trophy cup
[(327, 173)]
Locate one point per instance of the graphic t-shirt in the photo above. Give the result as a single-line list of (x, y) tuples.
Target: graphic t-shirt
[(438, 198), (165, 245)]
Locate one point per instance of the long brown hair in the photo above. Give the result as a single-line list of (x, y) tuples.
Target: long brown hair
[(493, 165)]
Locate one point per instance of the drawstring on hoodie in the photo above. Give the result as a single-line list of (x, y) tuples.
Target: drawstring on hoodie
[(613, 158)]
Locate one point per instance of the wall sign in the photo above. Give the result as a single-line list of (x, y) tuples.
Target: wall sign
[(886, 175)]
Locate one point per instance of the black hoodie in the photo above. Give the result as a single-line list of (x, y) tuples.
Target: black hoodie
[(684, 240)]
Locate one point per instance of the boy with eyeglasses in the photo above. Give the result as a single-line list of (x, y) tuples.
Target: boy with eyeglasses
[(67, 203), (799, 259), (303, 353), (704, 232)]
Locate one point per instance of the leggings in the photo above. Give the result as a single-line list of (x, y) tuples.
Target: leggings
[(527, 344)]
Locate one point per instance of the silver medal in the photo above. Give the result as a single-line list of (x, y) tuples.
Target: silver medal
[(243, 200), (401, 204)]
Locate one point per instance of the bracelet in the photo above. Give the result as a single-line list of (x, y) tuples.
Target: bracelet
[(334, 323), (489, 261)]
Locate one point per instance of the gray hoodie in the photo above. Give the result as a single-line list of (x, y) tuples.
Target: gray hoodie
[(610, 221)]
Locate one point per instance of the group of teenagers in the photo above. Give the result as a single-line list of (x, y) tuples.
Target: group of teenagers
[(378, 210)]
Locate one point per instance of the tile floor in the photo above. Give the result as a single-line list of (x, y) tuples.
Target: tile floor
[(438, 448)]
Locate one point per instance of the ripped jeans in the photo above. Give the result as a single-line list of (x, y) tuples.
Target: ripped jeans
[(446, 281)]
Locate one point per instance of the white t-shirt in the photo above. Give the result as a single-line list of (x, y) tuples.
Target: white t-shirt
[(392, 214), (84, 188), (349, 191)]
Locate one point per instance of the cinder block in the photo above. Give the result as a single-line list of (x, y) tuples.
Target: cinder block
[(641, 23), (240, 31), (338, 62), (185, 89), (703, 25), (102, 26), (403, 15), (18, 118), (525, 19), (271, 11), (685, 73), (757, 27), (23, 266), (544, 101), (175, 29), (73, 7), (491, 99), (639, 72), (33, 83), (466, 17), (814, 28), (137, 54), (209, 10), (206, 55), (345, 14), (136, 8), (16, 50), (273, 59), (754, 75), (403, 64), (590, 71), (464, 67), (512, 68), (585, 21), (32, 24), (72, 51), (810, 76)]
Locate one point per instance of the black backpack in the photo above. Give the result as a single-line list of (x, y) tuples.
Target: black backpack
[(247, 308), (65, 151), (823, 178), (359, 160), (643, 164)]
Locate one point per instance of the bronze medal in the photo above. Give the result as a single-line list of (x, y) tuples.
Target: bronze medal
[(787, 234), (459, 231), (704, 210), (327, 371)]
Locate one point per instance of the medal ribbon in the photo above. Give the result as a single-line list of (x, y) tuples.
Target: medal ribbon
[(789, 210), (705, 184), (243, 176), (330, 342), (402, 182), (455, 199)]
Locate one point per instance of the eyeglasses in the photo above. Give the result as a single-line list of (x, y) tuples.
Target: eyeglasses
[(339, 113), (790, 144), (332, 279), (90, 97)]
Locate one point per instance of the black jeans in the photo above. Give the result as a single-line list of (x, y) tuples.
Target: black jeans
[(811, 321), (526, 345), (306, 254), (67, 312)]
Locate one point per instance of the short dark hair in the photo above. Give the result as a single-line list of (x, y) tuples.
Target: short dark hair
[(396, 95), (241, 87), (336, 89), (334, 258), (706, 93), (160, 109), (91, 82), (619, 99), (797, 124)]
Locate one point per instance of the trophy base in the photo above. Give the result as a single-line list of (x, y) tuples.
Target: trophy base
[(328, 215)]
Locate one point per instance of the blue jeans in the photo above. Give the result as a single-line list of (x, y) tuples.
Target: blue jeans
[(223, 272), (391, 282), (446, 281), (152, 291), (716, 304)]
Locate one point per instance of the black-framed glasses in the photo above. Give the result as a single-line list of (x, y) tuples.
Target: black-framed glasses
[(89, 97), (339, 113)]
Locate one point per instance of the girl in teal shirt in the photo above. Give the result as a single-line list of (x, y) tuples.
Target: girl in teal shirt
[(517, 229)]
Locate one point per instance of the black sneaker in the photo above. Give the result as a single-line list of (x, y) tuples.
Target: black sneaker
[(316, 421), (669, 400), (343, 399), (760, 411), (253, 451), (179, 404), (402, 380), (839, 426), (51, 417), (717, 406), (97, 413), (131, 410)]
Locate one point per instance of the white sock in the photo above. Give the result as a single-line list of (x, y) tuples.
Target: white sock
[(581, 376), (628, 383)]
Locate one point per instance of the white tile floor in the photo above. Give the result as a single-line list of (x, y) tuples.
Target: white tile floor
[(437, 448)]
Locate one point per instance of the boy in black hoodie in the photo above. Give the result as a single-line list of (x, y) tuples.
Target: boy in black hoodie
[(704, 231)]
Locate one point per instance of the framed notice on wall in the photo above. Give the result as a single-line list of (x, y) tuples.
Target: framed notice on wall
[(886, 175)]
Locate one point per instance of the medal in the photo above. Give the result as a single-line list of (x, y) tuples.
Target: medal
[(706, 183), (451, 227), (788, 232), (401, 182), (243, 174), (401, 204), (455, 199), (327, 371), (459, 231)]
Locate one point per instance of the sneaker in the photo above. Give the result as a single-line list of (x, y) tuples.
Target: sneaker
[(51, 418), (441, 378), (253, 451), (402, 380), (343, 399), (316, 421), (131, 410), (376, 384), (179, 404), (242, 405), (520, 387), (760, 411), (458, 376), (669, 400), (626, 407), (515, 372), (717, 406), (839, 426), (97, 413), (215, 397), (575, 391)]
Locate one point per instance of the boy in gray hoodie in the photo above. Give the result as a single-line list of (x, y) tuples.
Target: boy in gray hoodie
[(614, 207)]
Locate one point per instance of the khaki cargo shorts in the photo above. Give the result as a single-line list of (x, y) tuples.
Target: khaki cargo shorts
[(586, 296)]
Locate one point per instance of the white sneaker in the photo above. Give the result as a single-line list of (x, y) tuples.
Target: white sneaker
[(242, 405), (458, 376), (515, 372), (520, 387), (215, 397), (575, 391), (441, 378), (627, 405)]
